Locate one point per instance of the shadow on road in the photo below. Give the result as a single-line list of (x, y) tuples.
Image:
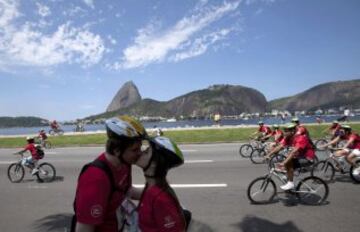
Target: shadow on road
[(256, 224), (55, 222), (199, 227)]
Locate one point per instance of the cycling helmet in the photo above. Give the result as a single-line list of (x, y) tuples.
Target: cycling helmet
[(168, 150), (30, 138), (346, 127), (290, 126), (275, 126), (295, 119), (261, 123), (335, 122), (125, 126)]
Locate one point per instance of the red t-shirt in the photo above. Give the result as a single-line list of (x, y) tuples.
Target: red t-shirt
[(43, 135), (92, 196), (301, 130), (265, 129), (158, 212), (306, 150), (31, 147), (356, 140), (278, 135)]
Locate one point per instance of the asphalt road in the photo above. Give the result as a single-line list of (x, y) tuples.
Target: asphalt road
[(212, 184)]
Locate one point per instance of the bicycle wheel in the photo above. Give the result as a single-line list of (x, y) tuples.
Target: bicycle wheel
[(277, 158), (257, 156), (16, 172), (319, 143), (47, 172), (245, 150), (323, 169), (312, 190), (47, 144), (51, 132), (355, 176), (262, 190)]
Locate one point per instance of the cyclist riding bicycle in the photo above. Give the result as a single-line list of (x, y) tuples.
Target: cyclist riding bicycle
[(276, 133), (262, 132), (32, 161), (334, 129), (302, 153), (54, 125), (351, 149), (42, 135)]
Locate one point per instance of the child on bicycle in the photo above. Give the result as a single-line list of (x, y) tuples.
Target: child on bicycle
[(32, 161), (42, 136)]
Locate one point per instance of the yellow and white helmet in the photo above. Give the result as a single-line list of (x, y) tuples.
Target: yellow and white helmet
[(125, 126)]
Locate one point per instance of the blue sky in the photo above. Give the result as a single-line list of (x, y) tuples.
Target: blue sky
[(66, 59)]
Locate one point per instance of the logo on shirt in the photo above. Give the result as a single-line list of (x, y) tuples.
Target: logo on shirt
[(169, 222), (96, 211)]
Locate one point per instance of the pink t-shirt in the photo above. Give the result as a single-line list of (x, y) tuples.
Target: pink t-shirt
[(159, 212), (92, 196), (356, 140)]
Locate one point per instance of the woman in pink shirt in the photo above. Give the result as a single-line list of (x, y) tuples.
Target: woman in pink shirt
[(159, 208)]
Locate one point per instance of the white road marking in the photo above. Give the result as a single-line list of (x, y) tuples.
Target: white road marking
[(6, 162), (188, 150), (37, 186), (198, 161), (224, 185)]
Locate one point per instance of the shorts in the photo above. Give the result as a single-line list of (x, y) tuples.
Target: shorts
[(302, 162)]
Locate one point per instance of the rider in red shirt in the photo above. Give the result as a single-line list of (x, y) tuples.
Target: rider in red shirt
[(159, 208), (31, 161), (263, 132), (302, 149), (54, 125)]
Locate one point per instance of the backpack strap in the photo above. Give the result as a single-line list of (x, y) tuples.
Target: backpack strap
[(103, 166)]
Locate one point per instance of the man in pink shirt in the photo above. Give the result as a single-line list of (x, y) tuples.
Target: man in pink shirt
[(101, 191)]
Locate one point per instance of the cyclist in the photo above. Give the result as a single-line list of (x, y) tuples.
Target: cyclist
[(32, 161), (159, 208), (302, 153), (96, 205), (54, 125), (334, 129), (262, 132), (276, 133), (351, 149), (42, 136)]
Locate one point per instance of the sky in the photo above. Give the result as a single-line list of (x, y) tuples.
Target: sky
[(66, 59)]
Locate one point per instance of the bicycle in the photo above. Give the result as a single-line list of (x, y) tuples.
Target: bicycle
[(16, 171), (310, 190), (56, 131), (319, 144), (326, 168), (246, 149), (44, 143), (257, 156)]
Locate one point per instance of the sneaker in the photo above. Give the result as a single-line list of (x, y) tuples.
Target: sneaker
[(289, 185), (34, 171), (356, 171)]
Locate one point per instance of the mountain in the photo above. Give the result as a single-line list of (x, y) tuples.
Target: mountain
[(6, 122), (125, 97), (324, 96), (225, 99)]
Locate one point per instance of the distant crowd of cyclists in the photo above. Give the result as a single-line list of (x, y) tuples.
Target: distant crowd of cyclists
[(295, 136)]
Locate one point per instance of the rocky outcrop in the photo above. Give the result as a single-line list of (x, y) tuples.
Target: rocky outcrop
[(125, 97)]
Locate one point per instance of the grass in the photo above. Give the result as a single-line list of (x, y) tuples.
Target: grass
[(179, 136)]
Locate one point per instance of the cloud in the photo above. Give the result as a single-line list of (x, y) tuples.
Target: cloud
[(43, 10), (151, 45), (200, 45), (25, 45), (89, 3), (8, 11)]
